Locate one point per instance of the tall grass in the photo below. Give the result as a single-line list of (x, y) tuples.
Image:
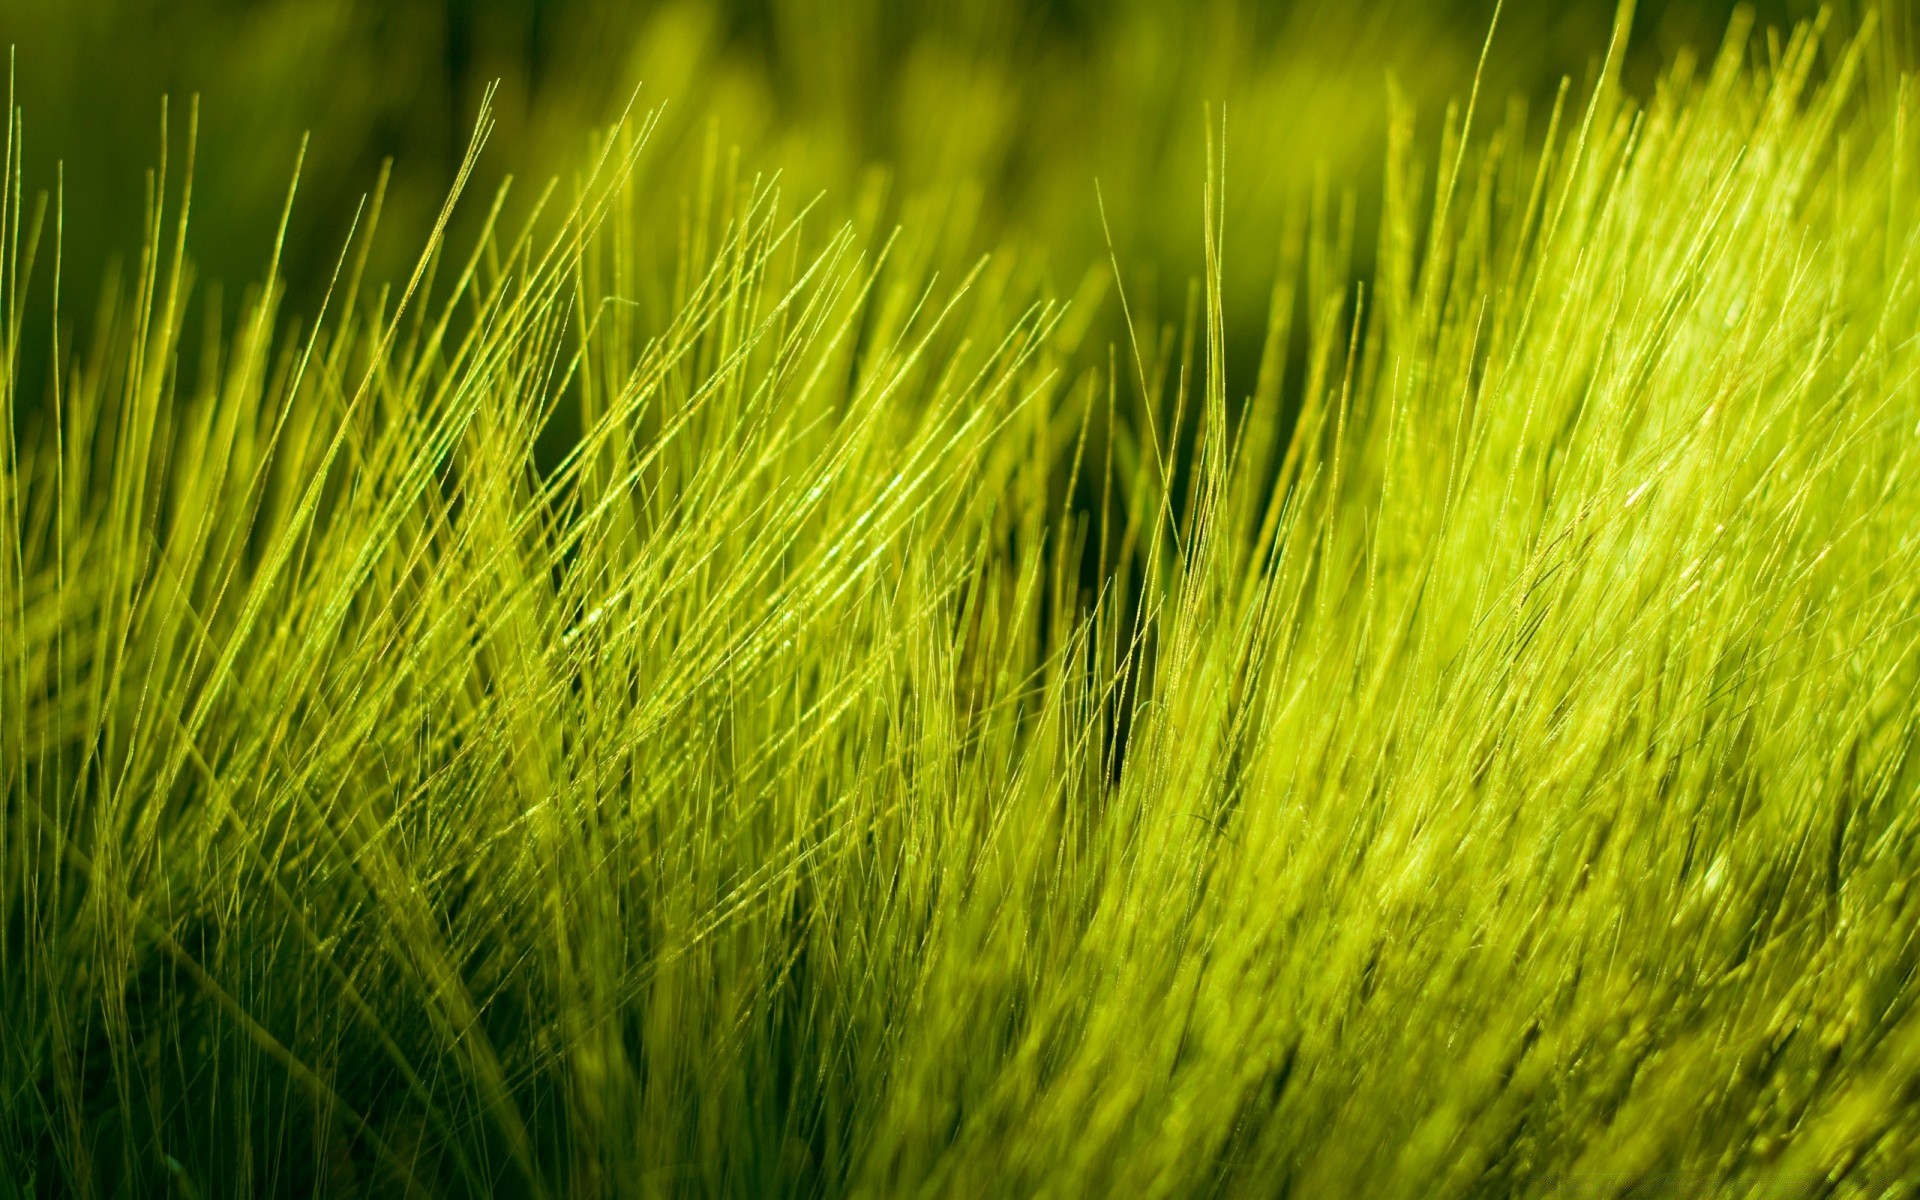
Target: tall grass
[(729, 709)]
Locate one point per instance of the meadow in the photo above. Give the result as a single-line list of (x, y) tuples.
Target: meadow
[(1005, 600)]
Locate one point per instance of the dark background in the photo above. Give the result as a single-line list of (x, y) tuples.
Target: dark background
[(1015, 108)]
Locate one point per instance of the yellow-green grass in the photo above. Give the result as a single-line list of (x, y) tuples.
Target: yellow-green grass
[(727, 707)]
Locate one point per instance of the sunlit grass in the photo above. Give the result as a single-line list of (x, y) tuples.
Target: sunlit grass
[(728, 708)]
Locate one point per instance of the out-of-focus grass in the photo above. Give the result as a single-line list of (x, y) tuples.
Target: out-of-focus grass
[(693, 683), (1008, 111)]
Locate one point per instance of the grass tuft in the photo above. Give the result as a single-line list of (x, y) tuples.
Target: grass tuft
[(739, 709)]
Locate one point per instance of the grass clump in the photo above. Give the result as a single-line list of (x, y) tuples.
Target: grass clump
[(739, 712)]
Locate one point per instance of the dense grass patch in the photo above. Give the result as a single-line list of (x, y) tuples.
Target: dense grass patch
[(726, 706)]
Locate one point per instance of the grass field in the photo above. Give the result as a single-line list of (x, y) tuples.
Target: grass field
[(1355, 638)]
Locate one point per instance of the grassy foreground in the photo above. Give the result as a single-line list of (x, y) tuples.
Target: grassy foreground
[(726, 708)]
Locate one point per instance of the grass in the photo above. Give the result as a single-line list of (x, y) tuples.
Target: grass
[(729, 708)]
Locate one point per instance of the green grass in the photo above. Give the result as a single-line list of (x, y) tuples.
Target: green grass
[(729, 706)]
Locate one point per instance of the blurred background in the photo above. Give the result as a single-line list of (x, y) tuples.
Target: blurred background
[(992, 117)]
